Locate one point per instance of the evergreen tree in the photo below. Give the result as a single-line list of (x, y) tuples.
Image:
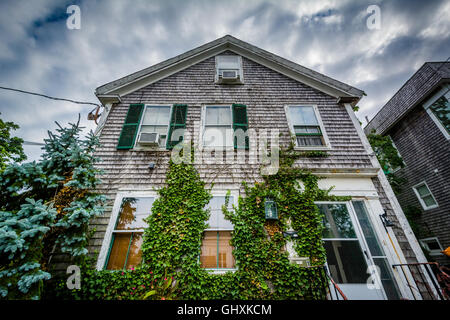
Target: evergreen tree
[(10, 147), (46, 206)]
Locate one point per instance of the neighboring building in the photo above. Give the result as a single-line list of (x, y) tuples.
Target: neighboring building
[(417, 118), (229, 84)]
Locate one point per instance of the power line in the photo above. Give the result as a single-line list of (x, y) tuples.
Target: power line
[(49, 97), (31, 143)]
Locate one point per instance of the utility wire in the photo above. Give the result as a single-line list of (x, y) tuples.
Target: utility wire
[(49, 97), (31, 143)]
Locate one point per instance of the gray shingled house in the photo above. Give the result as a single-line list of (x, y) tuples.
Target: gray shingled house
[(417, 118), (215, 88)]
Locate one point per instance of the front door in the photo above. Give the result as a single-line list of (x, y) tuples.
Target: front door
[(348, 258)]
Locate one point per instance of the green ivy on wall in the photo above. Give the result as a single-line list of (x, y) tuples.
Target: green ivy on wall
[(172, 242), (389, 158)]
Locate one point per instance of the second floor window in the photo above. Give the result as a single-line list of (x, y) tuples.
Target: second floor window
[(156, 120), (218, 130), (441, 110), (305, 125), (425, 196)]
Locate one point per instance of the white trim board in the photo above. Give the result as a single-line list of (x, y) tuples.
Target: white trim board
[(389, 193)]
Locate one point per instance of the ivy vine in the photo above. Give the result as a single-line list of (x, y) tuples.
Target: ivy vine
[(172, 243), (389, 159)]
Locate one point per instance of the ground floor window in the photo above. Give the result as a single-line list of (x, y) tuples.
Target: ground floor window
[(126, 240), (216, 250), (353, 249)]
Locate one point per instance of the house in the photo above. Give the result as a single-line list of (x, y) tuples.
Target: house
[(227, 86), (417, 120)]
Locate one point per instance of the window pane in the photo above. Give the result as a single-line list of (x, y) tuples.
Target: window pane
[(118, 253), (156, 115), (309, 141), (226, 259), (306, 129), (389, 285), (429, 201), (423, 190), (367, 229), (228, 62), (208, 257), (218, 116), (303, 115), (132, 213), (135, 252), (345, 261), (218, 137), (433, 245), (441, 109), (336, 221), (217, 218)]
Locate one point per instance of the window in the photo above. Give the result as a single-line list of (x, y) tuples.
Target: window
[(229, 69), (432, 245), (345, 257), (306, 125), (216, 251), (156, 119), (425, 196), (377, 252), (126, 241), (218, 131), (438, 107)]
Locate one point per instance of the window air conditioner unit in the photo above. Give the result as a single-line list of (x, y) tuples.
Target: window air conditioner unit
[(228, 76), (149, 139)]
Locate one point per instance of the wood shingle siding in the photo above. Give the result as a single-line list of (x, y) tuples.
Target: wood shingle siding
[(265, 93), (426, 153)]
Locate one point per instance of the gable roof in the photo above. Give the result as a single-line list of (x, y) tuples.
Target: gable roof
[(421, 84), (144, 77)]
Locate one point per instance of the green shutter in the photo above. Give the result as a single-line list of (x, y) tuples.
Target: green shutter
[(240, 121), (177, 121), (130, 126)]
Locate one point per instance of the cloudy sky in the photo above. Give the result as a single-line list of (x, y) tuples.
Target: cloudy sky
[(39, 53)]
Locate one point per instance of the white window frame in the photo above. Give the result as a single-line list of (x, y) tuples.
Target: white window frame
[(202, 131), (358, 232), (103, 255), (137, 146), (327, 145), (424, 206), (444, 91), (234, 201), (241, 70), (424, 243)]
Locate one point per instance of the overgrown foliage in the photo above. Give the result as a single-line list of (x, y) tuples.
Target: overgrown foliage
[(389, 159), (10, 147), (45, 207), (172, 242)]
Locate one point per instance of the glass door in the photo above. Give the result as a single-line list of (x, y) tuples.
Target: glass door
[(347, 255)]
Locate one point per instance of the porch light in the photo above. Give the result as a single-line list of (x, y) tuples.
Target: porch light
[(385, 220), (270, 208)]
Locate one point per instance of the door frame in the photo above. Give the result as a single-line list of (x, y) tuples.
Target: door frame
[(359, 234)]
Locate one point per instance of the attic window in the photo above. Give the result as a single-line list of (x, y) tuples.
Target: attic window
[(229, 69)]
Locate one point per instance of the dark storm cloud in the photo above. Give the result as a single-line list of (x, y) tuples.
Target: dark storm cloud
[(39, 53)]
